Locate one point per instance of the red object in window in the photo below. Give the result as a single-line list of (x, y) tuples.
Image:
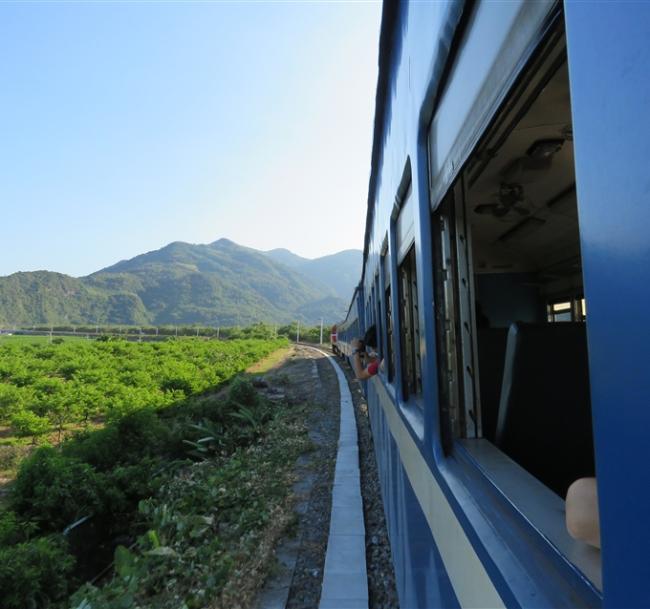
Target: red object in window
[(373, 368)]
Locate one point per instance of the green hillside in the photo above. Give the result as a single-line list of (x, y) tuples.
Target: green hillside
[(221, 283), (340, 271)]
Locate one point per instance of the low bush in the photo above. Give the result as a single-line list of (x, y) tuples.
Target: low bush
[(34, 574), (210, 529), (55, 490), (136, 435), (13, 530), (243, 393), (26, 423)]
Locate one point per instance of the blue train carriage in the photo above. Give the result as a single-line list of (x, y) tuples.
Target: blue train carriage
[(506, 266), (352, 327)]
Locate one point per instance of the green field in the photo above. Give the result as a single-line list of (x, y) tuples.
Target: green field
[(35, 340), (47, 386), (194, 479)]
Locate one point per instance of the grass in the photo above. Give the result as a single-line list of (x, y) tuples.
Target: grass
[(271, 362)]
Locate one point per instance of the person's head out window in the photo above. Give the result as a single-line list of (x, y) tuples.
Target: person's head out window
[(365, 360)]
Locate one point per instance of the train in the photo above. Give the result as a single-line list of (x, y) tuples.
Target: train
[(506, 268)]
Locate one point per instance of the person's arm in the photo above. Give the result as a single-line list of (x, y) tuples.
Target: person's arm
[(582, 511), (357, 365)]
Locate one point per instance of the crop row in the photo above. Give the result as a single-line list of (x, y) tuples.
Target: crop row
[(45, 386)]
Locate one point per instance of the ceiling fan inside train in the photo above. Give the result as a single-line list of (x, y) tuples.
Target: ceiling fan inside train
[(525, 169), (509, 198)]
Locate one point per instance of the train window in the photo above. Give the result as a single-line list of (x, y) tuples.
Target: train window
[(447, 306), (560, 311), (388, 308), (507, 253), (574, 309), (378, 317), (511, 316), (409, 326)]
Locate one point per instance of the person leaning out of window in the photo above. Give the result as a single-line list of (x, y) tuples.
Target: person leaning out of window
[(365, 360)]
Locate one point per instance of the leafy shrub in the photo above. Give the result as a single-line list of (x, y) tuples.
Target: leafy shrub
[(27, 423), (13, 530), (55, 490), (243, 393), (205, 528), (97, 448), (10, 401), (34, 573), (140, 433), (211, 407), (177, 384), (136, 435), (126, 485)]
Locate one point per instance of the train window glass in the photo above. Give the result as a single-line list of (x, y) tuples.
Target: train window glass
[(409, 326), (388, 308), (508, 242), (378, 317), (560, 311), (574, 309), (447, 322)]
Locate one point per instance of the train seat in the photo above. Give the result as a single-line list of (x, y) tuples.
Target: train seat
[(491, 356), (544, 418)]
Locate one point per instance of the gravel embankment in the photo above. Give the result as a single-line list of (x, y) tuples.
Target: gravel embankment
[(381, 576)]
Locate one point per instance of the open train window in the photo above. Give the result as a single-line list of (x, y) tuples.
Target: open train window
[(389, 356), (508, 269), (378, 317), (409, 326)]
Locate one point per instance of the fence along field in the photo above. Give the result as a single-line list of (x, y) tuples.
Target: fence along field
[(156, 409)]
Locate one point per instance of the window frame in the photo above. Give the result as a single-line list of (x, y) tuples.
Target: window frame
[(388, 324), (474, 467), (411, 365)]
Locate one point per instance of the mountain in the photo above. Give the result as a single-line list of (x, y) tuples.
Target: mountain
[(220, 283), (284, 256), (340, 271), (45, 297)]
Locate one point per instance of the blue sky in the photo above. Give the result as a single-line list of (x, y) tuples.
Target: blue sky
[(127, 125)]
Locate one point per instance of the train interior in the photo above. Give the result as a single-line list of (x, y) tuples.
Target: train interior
[(530, 316)]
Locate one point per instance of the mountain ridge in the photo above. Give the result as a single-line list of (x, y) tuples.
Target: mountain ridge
[(219, 283)]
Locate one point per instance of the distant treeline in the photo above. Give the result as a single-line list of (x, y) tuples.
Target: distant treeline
[(293, 331)]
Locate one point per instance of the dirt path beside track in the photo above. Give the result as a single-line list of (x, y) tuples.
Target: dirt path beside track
[(305, 377)]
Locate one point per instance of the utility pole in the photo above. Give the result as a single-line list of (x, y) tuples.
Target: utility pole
[(218, 329), (298, 333), (321, 330)]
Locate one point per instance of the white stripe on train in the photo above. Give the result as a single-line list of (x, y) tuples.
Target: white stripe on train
[(471, 583)]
